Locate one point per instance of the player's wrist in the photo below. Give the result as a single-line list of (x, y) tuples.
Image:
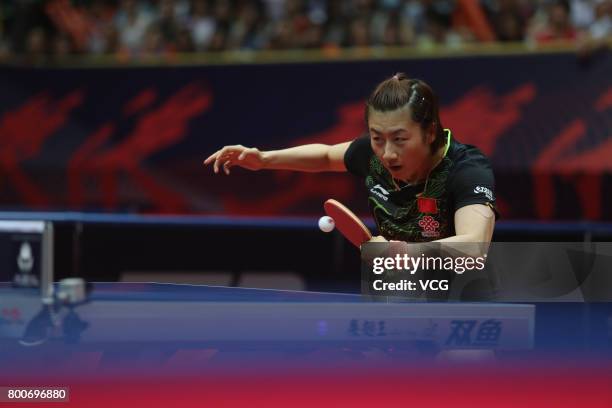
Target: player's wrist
[(265, 159)]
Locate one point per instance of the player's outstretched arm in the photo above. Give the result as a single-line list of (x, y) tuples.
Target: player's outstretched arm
[(308, 158)]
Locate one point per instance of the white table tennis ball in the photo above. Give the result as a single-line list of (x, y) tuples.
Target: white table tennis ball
[(326, 224)]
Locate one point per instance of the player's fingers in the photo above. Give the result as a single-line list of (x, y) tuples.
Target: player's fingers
[(226, 167), (222, 157), (210, 158), (216, 165), (243, 154)]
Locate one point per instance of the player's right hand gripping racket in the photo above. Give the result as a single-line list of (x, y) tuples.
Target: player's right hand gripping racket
[(347, 223)]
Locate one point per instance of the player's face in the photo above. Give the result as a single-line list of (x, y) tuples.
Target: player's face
[(400, 144)]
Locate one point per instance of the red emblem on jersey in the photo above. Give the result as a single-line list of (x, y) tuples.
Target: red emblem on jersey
[(427, 205), (430, 227)]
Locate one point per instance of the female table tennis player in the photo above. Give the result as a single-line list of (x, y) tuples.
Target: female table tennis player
[(423, 184)]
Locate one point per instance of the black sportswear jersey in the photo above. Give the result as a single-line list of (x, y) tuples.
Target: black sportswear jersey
[(425, 211)]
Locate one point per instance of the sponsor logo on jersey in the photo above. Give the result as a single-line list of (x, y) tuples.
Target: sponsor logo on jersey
[(484, 190), (379, 191), (429, 227)]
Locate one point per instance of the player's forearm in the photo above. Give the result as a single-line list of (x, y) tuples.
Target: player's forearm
[(474, 224), (308, 158), (455, 246)]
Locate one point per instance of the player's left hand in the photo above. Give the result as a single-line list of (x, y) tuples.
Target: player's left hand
[(249, 158), (378, 238)]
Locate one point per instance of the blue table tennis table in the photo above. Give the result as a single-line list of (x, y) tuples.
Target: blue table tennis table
[(144, 328), (150, 344), (226, 318)]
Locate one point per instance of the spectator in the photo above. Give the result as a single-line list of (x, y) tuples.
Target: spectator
[(247, 32), (201, 24), (218, 42), (359, 34), (335, 25), (599, 35), (223, 13), (299, 23), (26, 17), (37, 47), (601, 28), (153, 41), (223, 20), (313, 37), (131, 27), (413, 13), (167, 24), (274, 9), (62, 45), (438, 25), (397, 32), (292, 30), (132, 22), (558, 26), (281, 36), (184, 42), (582, 13), (102, 36), (4, 43), (508, 17)]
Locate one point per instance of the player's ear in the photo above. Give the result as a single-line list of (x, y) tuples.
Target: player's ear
[(431, 133)]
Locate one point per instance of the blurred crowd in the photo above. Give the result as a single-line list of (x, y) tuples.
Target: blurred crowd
[(145, 27)]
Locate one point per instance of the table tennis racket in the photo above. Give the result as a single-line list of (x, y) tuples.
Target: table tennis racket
[(347, 223)]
